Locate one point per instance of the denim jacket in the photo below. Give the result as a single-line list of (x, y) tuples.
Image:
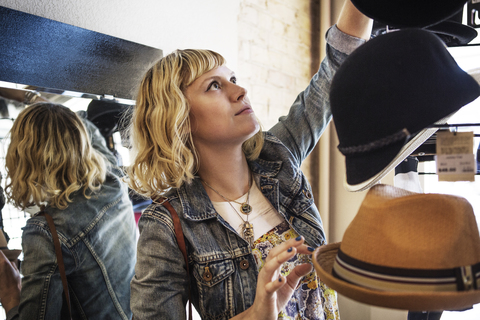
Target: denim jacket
[(160, 288), (97, 238)]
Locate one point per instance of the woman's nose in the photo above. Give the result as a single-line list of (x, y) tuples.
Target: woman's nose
[(239, 93)]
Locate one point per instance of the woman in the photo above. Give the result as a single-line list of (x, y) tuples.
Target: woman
[(245, 208), (52, 163)]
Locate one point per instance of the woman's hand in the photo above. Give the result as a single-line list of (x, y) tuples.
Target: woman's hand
[(273, 289), (10, 283)]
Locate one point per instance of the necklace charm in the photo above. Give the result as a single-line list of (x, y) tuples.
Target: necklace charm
[(245, 208), (247, 231)]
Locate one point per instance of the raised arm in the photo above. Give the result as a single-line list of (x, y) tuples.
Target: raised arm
[(309, 115), (353, 22)]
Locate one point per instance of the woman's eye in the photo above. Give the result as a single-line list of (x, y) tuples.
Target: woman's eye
[(233, 80), (213, 86)]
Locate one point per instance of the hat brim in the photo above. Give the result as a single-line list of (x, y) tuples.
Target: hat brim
[(475, 74), (404, 152), (413, 14), (454, 33), (324, 257), (11, 254)]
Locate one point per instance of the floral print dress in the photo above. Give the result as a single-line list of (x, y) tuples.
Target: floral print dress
[(312, 299)]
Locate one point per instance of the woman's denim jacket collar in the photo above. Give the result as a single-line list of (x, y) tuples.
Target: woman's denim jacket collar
[(196, 204)]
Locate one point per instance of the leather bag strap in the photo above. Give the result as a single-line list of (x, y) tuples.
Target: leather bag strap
[(58, 253), (181, 244)]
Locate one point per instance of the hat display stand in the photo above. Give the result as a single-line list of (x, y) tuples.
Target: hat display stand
[(401, 246), (427, 151), (452, 31), (386, 97), (409, 13)]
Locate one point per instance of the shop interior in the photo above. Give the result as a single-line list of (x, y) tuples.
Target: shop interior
[(124, 30)]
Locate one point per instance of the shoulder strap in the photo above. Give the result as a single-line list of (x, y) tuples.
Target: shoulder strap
[(181, 244), (58, 252)]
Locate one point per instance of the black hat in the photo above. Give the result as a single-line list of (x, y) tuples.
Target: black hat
[(409, 13), (452, 32), (106, 115), (387, 94)]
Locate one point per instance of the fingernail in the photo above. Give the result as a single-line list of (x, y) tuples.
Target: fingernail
[(290, 249), (298, 238), (280, 278), (310, 249)]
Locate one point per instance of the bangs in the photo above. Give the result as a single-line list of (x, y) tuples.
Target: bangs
[(197, 62)]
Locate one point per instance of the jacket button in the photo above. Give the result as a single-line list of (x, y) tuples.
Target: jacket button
[(207, 275), (244, 264), (307, 194)]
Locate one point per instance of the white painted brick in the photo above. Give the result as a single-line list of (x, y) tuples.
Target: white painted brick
[(298, 5), (276, 59), (259, 54), (280, 79), (257, 74), (244, 49), (298, 35), (278, 28), (298, 51), (246, 31), (248, 14), (274, 54), (261, 4), (303, 22), (261, 111), (278, 43), (281, 11), (293, 67), (258, 95), (265, 22)]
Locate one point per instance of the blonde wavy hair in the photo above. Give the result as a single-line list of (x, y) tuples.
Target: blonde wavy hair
[(50, 157), (160, 126)]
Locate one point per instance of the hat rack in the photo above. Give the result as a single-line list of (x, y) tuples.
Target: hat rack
[(449, 126), (456, 126)]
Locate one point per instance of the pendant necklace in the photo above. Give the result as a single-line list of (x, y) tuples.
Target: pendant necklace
[(245, 208)]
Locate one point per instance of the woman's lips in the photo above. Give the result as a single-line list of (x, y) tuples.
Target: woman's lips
[(245, 110)]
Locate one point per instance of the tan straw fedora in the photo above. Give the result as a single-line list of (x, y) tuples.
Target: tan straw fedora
[(405, 250)]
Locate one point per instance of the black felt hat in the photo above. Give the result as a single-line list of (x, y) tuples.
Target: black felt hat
[(409, 13), (387, 94), (106, 115), (452, 31)]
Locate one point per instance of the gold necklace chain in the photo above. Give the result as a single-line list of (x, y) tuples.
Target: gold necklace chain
[(245, 207), (247, 227)]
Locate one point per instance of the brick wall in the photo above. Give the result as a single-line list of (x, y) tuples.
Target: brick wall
[(278, 54)]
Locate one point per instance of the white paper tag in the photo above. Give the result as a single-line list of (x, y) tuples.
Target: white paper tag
[(455, 159), (456, 167)]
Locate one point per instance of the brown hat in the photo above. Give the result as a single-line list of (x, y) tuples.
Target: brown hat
[(10, 254), (405, 250)]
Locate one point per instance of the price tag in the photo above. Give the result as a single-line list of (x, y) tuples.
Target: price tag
[(455, 159)]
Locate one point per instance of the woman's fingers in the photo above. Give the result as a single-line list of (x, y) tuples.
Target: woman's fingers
[(274, 285), (275, 262), (273, 289), (292, 243), (298, 273), (284, 252)]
